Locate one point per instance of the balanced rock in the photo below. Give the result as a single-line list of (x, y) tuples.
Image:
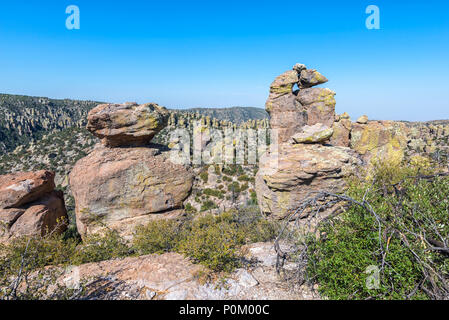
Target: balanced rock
[(311, 78), (305, 117), (291, 110), (121, 188), (29, 206), (127, 124), (301, 169), (363, 119), (317, 133)]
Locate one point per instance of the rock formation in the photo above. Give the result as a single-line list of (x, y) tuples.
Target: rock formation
[(125, 181), (305, 120), (317, 148), (291, 110), (300, 170), (29, 205), (379, 140), (127, 124), (171, 276)]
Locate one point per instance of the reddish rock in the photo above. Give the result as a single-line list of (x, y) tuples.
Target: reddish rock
[(18, 189), (342, 133), (9, 216), (318, 104), (122, 188), (42, 216), (301, 169), (291, 110)]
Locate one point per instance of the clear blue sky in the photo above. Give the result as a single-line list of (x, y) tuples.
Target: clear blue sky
[(226, 53)]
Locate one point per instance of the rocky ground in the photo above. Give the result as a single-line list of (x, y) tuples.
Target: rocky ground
[(172, 277)]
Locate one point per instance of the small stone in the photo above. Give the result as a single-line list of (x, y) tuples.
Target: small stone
[(299, 67), (363, 119), (345, 116), (311, 78), (317, 133)]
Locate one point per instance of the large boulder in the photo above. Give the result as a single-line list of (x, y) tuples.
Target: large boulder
[(122, 188), (45, 215), (318, 104), (18, 189), (380, 141), (300, 170), (29, 206), (127, 124)]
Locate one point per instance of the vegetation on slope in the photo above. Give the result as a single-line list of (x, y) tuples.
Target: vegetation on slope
[(211, 240), (390, 241)]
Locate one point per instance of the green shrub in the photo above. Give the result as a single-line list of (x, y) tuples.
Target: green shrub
[(414, 213), (213, 241), (189, 208), (39, 252), (208, 205), (204, 176), (213, 193), (158, 236), (101, 247)]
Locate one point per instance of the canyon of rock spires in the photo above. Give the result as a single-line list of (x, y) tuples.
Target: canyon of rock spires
[(30, 206), (126, 181)]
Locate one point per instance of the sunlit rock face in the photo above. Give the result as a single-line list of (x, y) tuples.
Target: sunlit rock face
[(127, 124), (30, 206), (306, 160), (126, 181)]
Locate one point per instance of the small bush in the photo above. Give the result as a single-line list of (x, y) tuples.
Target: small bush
[(189, 208), (208, 205), (101, 247), (204, 176), (213, 241), (157, 237)]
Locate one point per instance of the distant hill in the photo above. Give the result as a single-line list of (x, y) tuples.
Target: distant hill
[(24, 118), (236, 115)]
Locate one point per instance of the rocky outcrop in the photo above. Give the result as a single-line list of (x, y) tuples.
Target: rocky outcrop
[(127, 124), (127, 186), (380, 141), (318, 149), (291, 110), (29, 205), (172, 277), (301, 170), (342, 131), (304, 163)]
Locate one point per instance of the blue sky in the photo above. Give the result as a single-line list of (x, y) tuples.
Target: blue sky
[(226, 53)]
